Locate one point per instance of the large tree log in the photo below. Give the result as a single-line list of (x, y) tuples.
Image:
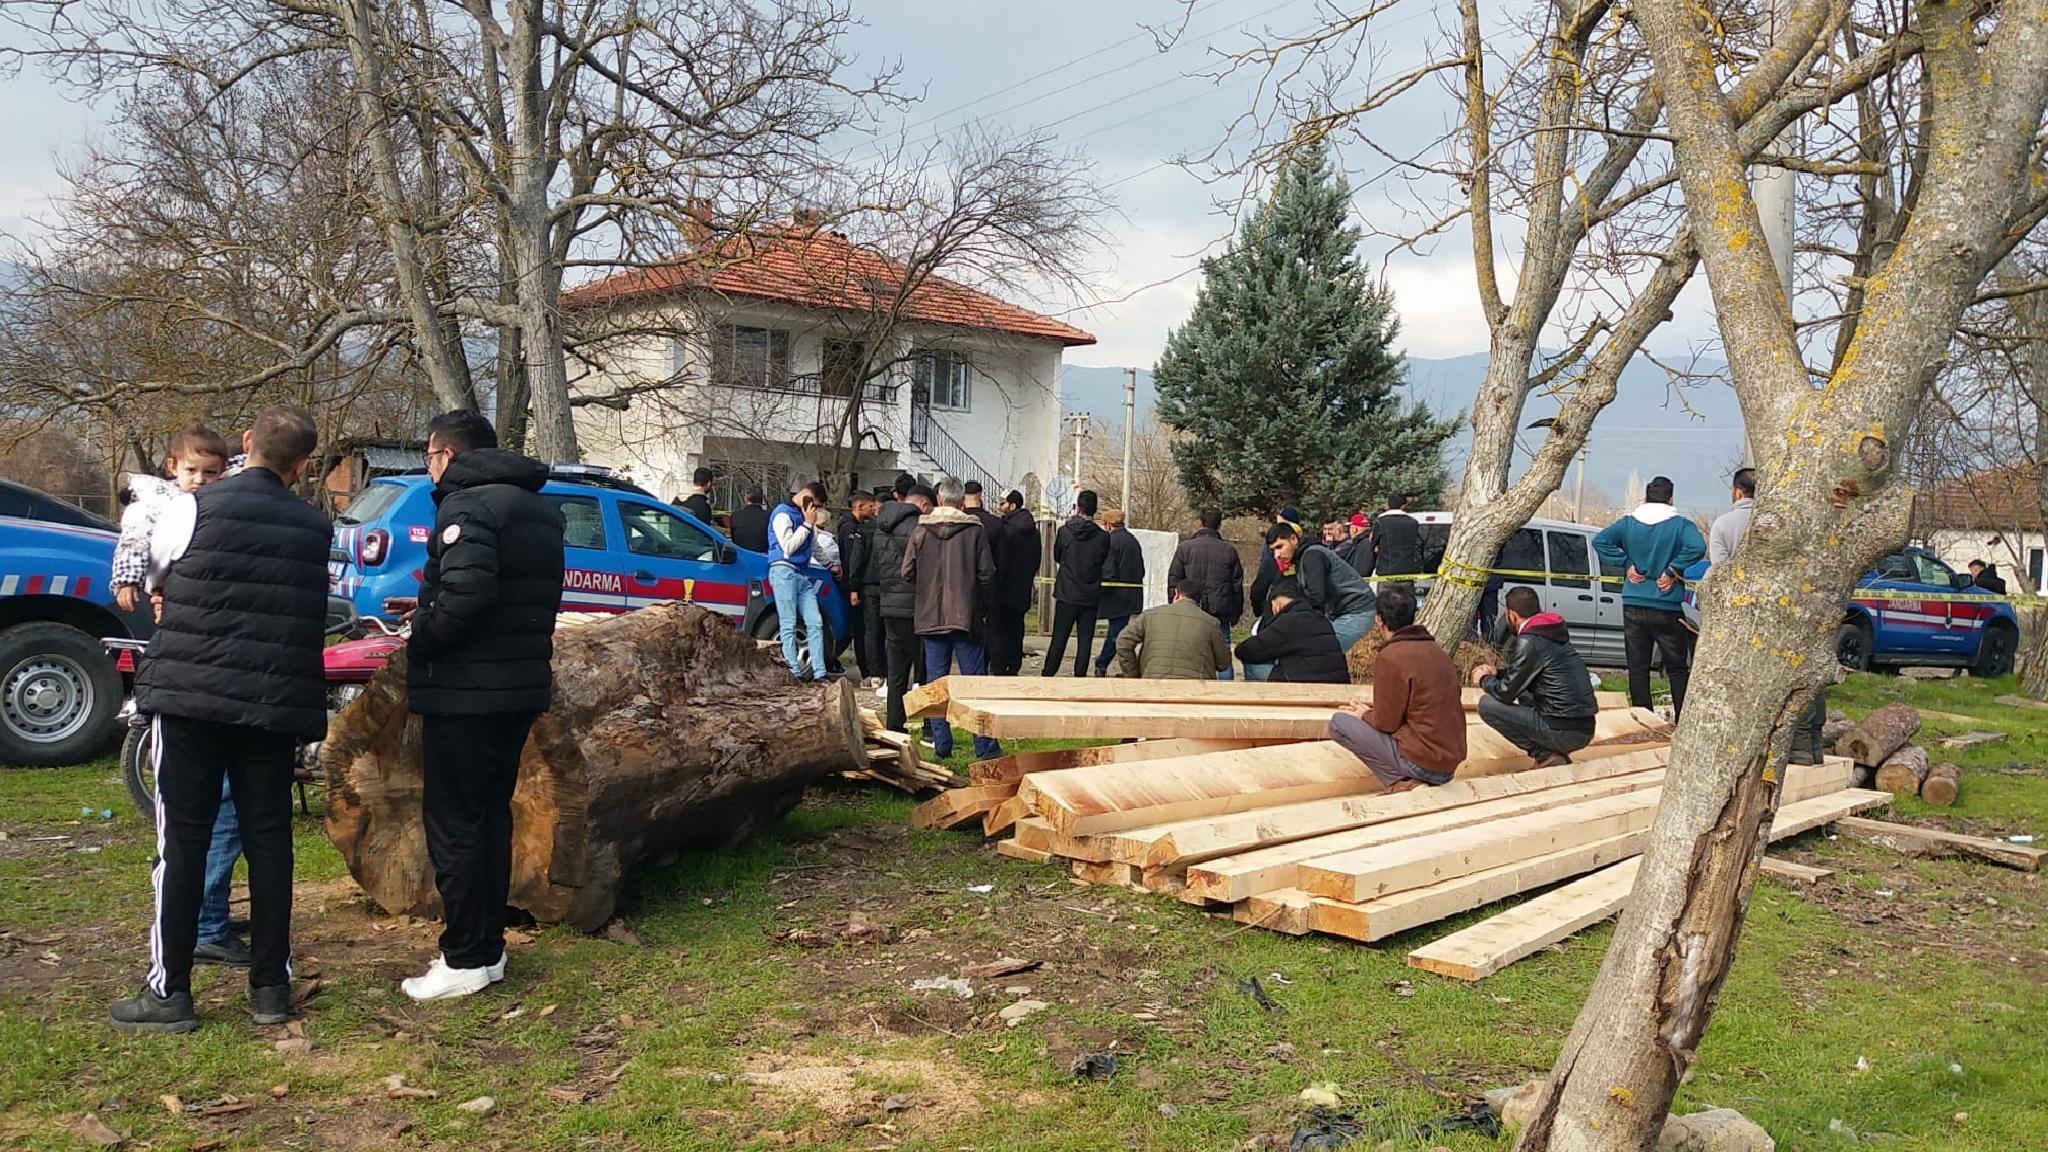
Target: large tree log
[(1880, 734), (1902, 771), (668, 729)]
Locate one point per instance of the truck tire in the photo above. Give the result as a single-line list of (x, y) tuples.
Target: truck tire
[(1995, 651), (1853, 645), (138, 768), (59, 696), (768, 626)]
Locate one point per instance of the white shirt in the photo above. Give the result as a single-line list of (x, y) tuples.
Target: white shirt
[(171, 536), (791, 532)]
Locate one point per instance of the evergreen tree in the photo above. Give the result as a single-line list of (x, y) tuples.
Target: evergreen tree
[(1285, 377)]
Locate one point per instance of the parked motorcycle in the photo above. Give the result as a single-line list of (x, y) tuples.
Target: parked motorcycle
[(358, 646)]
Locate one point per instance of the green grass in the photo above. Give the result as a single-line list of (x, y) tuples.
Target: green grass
[(663, 1033)]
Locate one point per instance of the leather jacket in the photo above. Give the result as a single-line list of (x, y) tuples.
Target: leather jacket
[(1544, 670)]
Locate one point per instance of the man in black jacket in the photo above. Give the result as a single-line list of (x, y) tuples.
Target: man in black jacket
[(1397, 541), (1986, 576), (233, 684), (478, 673), (1018, 552), (897, 598), (750, 521), (1081, 552), (698, 502), (1208, 563), (1295, 642), (856, 535), (1123, 585), (1543, 700)]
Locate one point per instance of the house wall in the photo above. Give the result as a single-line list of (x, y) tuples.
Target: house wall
[(1010, 426), (2021, 557)]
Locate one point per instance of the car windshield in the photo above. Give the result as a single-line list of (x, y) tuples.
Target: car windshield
[(371, 503)]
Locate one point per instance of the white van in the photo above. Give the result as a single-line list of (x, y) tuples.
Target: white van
[(1563, 552)]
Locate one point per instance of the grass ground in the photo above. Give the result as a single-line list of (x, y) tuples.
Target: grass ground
[(727, 1011)]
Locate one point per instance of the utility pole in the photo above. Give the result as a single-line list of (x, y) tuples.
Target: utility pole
[(1579, 490), (1130, 426), (1077, 425)]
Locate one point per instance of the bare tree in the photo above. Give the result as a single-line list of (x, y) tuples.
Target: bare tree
[(1827, 507), (1158, 500)]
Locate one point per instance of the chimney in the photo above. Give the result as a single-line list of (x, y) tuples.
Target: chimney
[(809, 220), (697, 223)]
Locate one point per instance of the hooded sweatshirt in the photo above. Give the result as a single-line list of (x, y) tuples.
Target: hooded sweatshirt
[(1654, 539), (949, 562)]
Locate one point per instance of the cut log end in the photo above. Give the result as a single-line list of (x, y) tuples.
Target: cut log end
[(1942, 785)]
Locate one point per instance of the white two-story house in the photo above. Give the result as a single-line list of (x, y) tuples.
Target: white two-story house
[(795, 354)]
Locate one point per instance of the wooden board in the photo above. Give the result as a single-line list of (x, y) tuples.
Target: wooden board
[(1285, 910), (1794, 872), (1113, 797), (933, 699), (1036, 833), (1017, 851), (2011, 701), (1018, 719), (1972, 739), (1492, 944), (1004, 769), (1185, 842), (1371, 873), (1931, 842), (1229, 879), (1004, 816), (956, 806)]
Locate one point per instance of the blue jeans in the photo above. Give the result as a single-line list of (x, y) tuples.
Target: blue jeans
[(220, 871), (1108, 653), (940, 651), (1351, 628), (796, 593), (1227, 674)]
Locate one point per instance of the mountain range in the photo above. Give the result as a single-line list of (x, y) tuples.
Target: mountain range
[(1691, 433)]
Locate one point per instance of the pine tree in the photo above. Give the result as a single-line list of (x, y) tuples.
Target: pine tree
[(1285, 377)]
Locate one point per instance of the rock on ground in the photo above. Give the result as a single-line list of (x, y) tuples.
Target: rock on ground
[(1715, 1130)]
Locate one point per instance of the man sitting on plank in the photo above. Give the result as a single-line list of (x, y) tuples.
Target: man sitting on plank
[(1543, 700), (1413, 732)]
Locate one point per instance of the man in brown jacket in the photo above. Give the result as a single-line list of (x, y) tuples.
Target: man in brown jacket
[(1176, 641), (949, 563), (1413, 732)]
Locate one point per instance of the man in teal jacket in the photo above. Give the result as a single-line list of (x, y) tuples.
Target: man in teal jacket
[(1656, 544)]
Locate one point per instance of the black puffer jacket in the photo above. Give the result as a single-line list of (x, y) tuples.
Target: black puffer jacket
[(1018, 553), (1544, 671), (244, 609), (1081, 552), (1209, 562), (1300, 644), (856, 552), (1123, 578), (893, 526), (1397, 545), (484, 638)]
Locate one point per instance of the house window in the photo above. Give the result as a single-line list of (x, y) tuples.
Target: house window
[(750, 357), (942, 377), (841, 367), (2035, 561)]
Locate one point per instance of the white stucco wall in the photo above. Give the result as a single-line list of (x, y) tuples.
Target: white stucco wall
[(2015, 553)]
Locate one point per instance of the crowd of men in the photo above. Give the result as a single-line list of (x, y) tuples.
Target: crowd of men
[(234, 562)]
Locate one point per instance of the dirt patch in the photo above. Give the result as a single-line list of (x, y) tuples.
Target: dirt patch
[(913, 1095)]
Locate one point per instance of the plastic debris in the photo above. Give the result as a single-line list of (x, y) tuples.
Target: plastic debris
[(1324, 1130), (1478, 1117), (1094, 1065), (1251, 987), (2020, 839), (1323, 1095), (953, 984), (982, 889)]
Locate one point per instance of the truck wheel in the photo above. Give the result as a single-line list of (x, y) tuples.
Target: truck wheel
[(1852, 646), (1995, 652), (768, 626), (138, 768), (59, 695)]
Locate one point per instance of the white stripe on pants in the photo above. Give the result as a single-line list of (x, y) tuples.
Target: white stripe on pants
[(157, 975)]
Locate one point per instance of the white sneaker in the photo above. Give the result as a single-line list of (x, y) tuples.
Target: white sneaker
[(444, 983), (497, 971), (882, 690)]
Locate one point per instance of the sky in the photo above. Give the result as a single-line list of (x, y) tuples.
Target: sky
[(1091, 72)]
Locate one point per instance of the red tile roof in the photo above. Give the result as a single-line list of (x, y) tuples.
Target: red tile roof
[(2003, 499), (822, 270)]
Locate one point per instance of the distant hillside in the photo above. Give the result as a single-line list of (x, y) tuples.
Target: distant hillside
[(1693, 435)]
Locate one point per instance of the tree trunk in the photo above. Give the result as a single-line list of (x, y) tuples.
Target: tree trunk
[(668, 729), (1902, 771), (537, 276), (1943, 784), (1872, 741)]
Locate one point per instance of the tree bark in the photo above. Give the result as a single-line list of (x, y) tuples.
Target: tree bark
[(1824, 512), (1872, 741), (668, 729), (537, 276)]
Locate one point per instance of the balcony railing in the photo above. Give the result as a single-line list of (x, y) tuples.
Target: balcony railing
[(812, 384)]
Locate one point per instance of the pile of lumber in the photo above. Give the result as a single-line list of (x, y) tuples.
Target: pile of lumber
[(1881, 745), (892, 758)]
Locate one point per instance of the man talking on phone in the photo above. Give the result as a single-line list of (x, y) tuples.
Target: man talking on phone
[(792, 531)]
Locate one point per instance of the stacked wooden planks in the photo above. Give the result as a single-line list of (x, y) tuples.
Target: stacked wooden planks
[(1298, 837), (892, 758)]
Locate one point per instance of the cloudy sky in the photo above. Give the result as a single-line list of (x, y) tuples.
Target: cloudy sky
[(1089, 71)]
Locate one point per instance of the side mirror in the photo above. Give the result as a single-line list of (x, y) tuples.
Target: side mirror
[(1962, 580), (728, 554)]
